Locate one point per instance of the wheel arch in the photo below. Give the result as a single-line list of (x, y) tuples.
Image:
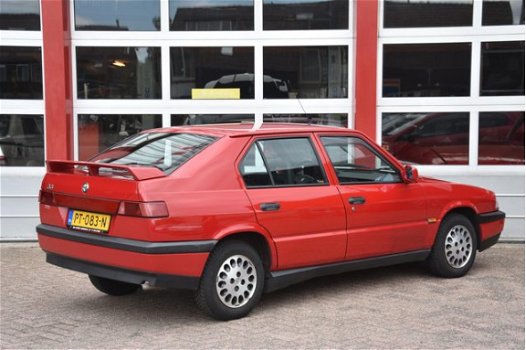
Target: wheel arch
[(260, 242), (470, 214)]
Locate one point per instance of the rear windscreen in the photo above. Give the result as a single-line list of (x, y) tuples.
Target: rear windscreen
[(166, 151)]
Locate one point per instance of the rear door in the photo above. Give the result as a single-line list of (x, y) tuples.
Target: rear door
[(384, 214), (294, 201)]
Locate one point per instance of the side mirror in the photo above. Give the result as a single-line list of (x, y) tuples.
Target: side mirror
[(411, 174)]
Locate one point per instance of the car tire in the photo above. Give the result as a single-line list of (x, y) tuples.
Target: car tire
[(455, 247), (232, 282), (112, 287)]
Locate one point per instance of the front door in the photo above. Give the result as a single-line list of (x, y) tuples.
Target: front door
[(294, 201), (384, 214)]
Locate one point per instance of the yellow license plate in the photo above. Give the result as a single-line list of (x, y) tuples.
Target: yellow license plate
[(86, 221)]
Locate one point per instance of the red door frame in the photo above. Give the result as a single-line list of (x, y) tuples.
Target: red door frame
[(366, 63), (57, 79), (58, 84)]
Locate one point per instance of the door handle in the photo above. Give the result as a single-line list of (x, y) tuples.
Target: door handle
[(356, 200), (269, 206)]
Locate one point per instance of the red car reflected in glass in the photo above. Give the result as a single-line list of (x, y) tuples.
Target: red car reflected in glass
[(231, 212), (443, 138)]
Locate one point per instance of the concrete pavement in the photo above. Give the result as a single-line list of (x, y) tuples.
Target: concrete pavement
[(43, 306)]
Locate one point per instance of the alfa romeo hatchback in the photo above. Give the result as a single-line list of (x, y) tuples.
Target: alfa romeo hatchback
[(230, 212)]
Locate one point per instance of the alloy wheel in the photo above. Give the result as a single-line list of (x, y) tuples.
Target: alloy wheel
[(236, 281), (458, 246)]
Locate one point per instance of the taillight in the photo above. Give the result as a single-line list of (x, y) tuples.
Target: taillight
[(47, 198), (144, 209)]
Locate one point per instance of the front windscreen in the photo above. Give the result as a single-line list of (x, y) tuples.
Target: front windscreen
[(166, 151)]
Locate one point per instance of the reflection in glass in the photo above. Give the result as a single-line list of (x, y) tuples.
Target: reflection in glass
[(20, 72), (427, 138), (197, 119), (305, 72), (98, 132), (212, 68), (431, 13), (213, 15), (305, 14), (501, 138), (417, 70), (334, 119), (19, 15), (502, 12), (502, 71), (118, 15), (119, 72), (21, 140)]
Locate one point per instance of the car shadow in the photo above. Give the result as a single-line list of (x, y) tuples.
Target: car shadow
[(160, 305)]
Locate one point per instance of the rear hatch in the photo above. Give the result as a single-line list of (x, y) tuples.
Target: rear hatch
[(90, 197), (103, 196)]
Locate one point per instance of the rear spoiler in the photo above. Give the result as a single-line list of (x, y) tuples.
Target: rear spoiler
[(103, 169)]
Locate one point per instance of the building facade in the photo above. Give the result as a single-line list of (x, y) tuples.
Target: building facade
[(439, 83)]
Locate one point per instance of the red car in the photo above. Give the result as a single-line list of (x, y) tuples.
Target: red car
[(231, 212), (443, 138)]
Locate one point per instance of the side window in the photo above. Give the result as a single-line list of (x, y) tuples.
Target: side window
[(355, 162), (282, 162)]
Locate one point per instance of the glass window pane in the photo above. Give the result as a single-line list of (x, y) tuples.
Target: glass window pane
[(305, 72), (20, 72), (418, 70), (212, 68), (253, 169), (305, 14), (334, 119), (430, 13), (165, 151), (501, 138), (19, 15), (119, 72), (502, 71), (21, 140), (98, 132), (197, 119), (427, 138), (120, 15), (292, 162), (502, 12), (354, 161), (212, 15)]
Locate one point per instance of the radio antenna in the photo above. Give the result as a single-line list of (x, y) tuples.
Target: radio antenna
[(301, 105), (304, 112)]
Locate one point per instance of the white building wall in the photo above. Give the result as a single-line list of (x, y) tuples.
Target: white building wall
[(19, 186), (19, 203)]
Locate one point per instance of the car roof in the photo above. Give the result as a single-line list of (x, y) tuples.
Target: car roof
[(246, 129)]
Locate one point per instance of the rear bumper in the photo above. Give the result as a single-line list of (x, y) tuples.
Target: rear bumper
[(130, 245), (174, 264), (123, 275)]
